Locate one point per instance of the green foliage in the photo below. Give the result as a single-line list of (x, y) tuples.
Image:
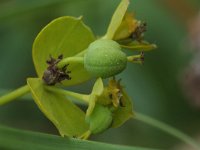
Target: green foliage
[(96, 92), (122, 114), (70, 37), (117, 19), (67, 36), (67, 117), (74, 55), (23, 140), (139, 46)]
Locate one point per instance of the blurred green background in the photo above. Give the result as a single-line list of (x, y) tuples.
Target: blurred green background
[(155, 87)]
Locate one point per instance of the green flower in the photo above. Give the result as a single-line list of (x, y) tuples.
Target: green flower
[(109, 106)]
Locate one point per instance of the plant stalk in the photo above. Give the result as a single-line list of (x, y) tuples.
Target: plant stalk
[(69, 60), (14, 94), (82, 97)]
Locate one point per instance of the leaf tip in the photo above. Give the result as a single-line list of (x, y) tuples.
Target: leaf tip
[(80, 17)]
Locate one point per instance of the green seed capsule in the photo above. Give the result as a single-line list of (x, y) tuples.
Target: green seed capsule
[(100, 119), (104, 58)]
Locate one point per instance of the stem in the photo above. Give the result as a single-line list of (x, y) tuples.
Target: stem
[(14, 94), (136, 58), (83, 97), (168, 129), (69, 60), (82, 53)]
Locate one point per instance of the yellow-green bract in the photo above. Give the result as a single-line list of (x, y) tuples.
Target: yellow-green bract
[(65, 35), (104, 58)]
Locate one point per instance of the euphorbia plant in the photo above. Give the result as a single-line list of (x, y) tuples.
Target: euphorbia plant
[(67, 53), (77, 56)]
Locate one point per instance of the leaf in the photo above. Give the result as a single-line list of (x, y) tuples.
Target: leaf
[(126, 28), (117, 19), (98, 87), (96, 92), (140, 46), (67, 117), (123, 113), (15, 139), (65, 35)]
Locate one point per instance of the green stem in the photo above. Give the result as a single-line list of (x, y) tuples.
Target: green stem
[(82, 97), (136, 58), (69, 60), (14, 94), (82, 53), (168, 129)]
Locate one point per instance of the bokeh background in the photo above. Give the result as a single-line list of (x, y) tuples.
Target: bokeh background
[(166, 87)]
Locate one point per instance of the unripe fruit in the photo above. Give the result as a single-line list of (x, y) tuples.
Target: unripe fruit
[(100, 119), (104, 58)]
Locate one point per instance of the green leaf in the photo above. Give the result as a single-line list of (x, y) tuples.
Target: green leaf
[(96, 92), (14, 139), (139, 46), (67, 117), (65, 35), (117, 19), (126, 28), (98, 87), (123, 113)]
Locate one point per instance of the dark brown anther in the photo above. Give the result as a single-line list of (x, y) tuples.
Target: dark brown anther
[(53, 74), (139, 58), (142, 57)]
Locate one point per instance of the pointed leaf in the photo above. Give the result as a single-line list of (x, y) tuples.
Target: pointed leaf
[(96, 92), (98, 87), (117, 19), (65, 35), (123, 113), (126, 28), (139, 46), (15, 139), (67, 117)]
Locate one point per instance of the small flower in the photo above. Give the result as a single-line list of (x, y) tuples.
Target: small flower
[(130, 34), (114, 91), (108, 106)]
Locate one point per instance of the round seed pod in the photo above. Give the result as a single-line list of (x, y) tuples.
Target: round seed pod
[(104, 58), (100, 119)]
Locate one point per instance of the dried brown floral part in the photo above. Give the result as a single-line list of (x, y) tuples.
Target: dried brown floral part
[(138, 34), (53, 74)]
